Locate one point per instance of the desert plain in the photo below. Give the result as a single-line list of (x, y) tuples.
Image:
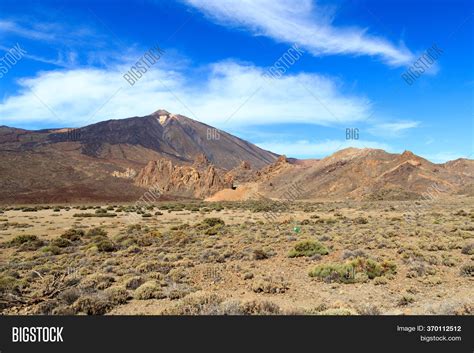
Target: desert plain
[(249, 257)]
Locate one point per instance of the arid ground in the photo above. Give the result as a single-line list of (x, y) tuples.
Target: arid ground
[(350, 257)]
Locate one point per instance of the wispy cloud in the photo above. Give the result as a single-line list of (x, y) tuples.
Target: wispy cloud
[(64, 45), (304, 22), (63, 60), (57, 32), (44, 33), (393, 129)]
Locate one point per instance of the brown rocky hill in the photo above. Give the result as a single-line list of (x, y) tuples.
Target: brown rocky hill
[(118, 160), (199, 180), (359, 174), (174, 137), (100, 162)]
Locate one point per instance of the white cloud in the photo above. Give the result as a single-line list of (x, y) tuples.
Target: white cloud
[(52, 32), (62, 60), (316, 149), (231, 95), (70, 43), (393, 129), (43, 34), (302, 22)]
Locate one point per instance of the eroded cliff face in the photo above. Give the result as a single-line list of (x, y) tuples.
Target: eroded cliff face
[(199, 180)]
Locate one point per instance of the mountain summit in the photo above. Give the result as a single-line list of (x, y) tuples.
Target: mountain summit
[(175, 137), (99, 161), (117, 160)]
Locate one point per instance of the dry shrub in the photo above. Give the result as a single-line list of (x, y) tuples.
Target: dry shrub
[(368, 309), (451, 307), (92, 304), (97, 282), (101, 302), (149, 290), (73, 234), (338, 312), (263, 307), (270, 285), (213, 304), (153, 266), (134, 282), (468, 249), (467, 270), (70, 295)]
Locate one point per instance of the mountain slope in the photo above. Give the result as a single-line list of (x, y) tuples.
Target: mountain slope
[(117, 160), (98, 162), (361, 174), (175, 137)]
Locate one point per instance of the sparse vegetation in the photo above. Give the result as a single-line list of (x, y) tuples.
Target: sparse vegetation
[(21, 239), (100, 214), (62, 265), (357, 270), (467, 270), (73, 234), (468, 249), (149, 290), (308, 248)]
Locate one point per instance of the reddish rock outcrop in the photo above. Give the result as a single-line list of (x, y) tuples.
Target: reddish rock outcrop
[(200, 180)]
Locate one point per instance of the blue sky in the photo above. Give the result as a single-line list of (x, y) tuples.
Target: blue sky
[(346, 72)]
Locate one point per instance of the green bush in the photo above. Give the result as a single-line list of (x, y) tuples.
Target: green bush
[(334, 273), (308, 248), (21, 239), (211, 226), (8, 283), (106, 245), (358, 270), (53, 249)]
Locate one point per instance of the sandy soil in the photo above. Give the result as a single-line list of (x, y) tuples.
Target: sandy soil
[(177, 262)]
